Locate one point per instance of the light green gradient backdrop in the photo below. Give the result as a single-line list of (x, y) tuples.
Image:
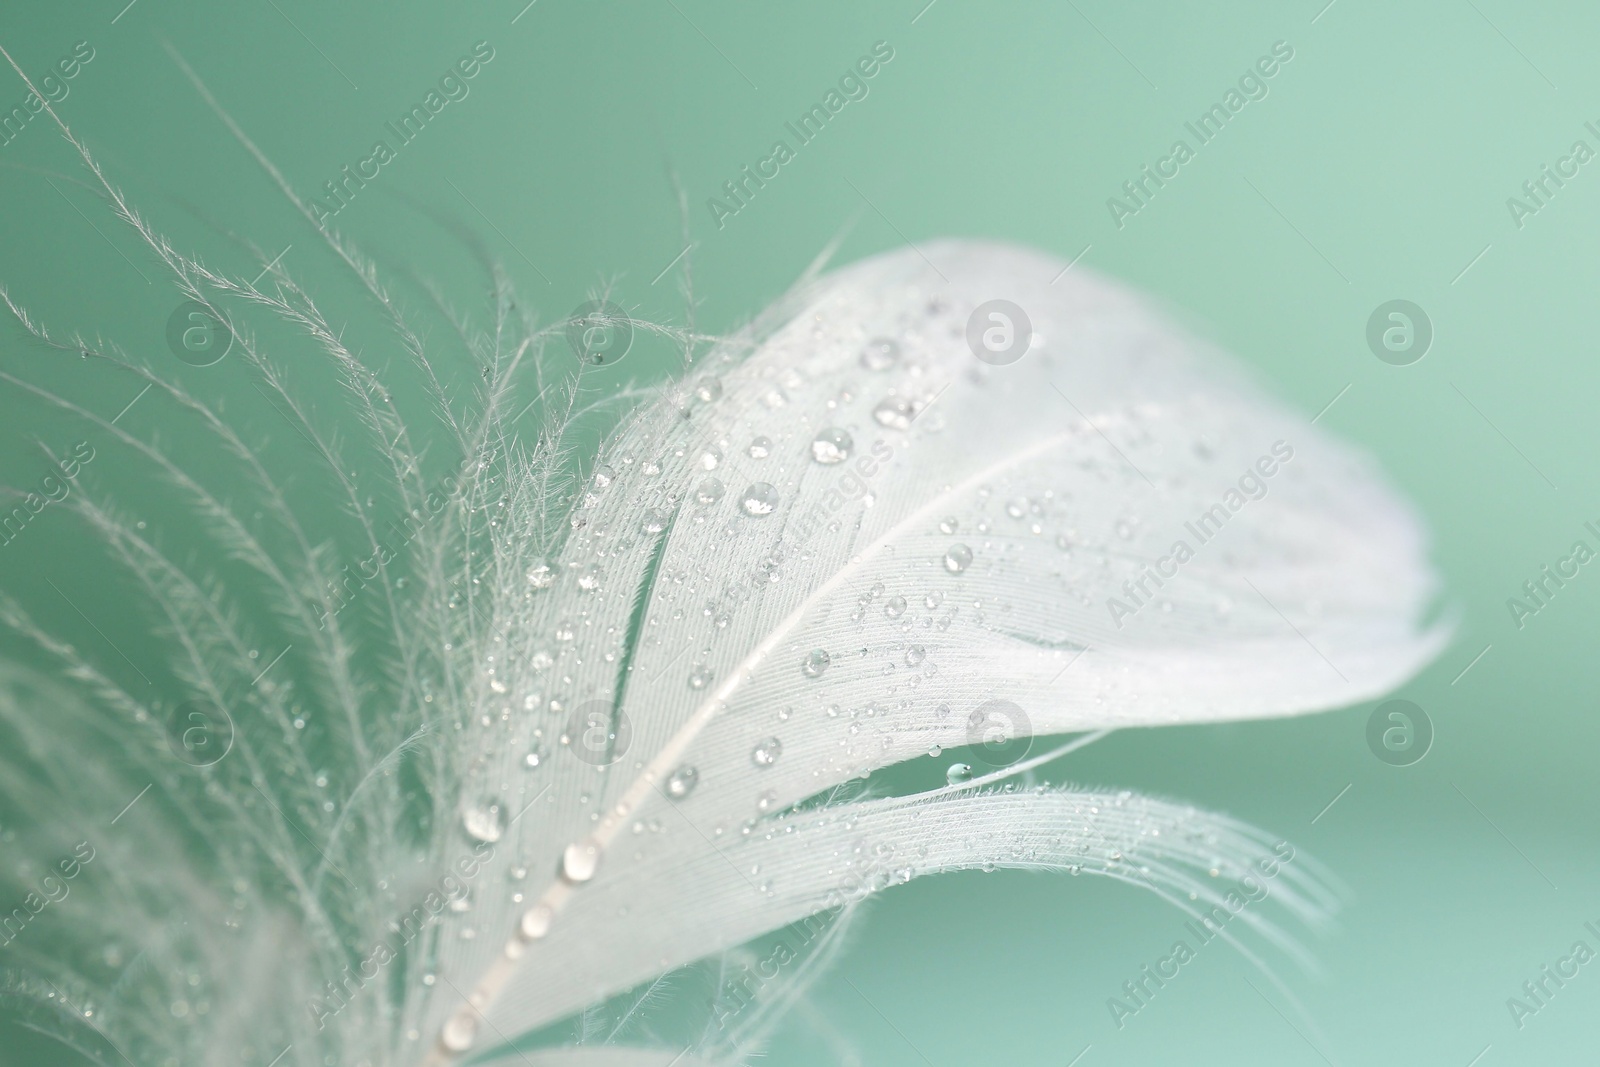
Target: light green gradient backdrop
[(1387, 149)]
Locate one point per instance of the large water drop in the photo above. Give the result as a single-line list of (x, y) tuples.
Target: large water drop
[(831, 446), (759, 500), (815, 663)]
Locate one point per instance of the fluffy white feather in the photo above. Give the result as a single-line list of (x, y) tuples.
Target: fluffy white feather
[(623, 730), (715, 562)]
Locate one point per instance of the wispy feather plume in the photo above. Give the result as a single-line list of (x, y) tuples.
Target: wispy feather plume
[(591, 730)]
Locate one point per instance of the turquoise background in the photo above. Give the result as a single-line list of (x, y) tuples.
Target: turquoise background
[(1378, 167)]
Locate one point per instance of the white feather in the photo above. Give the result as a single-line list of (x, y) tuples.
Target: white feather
[(989, 538), (1064, 474)]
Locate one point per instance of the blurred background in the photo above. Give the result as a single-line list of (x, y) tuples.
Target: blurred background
[(1384, 159)]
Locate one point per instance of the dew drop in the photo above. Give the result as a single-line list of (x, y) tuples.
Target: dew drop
[(604, 476), (957, 773), (880, 353), (815, 663), (948, 525), (485, 821), (709, 491), (708, 389), (761, 448), (710, 458), (460, 1030), (759, 500), (579, 861), (655, 520), (895, 412), (682, 782), (767, 752), (766, 801), (535, 922), (915, 655), (895, 607), (541, 575), (591, 577), (831, 446), (700, 677), (533, 759), (957, 558)]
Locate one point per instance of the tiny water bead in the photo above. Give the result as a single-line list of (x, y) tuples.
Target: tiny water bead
[(958, 773), (895, 412), (948, 525), (700, 677), (654, 521), (604, 476), (880, 353), (915, 655), (767, 752), (709, 491), (541, 575), (761, 448), (682, 782), (460, 1030), (710, 458), (957, 558), (708, 390), (831, 446), (591, 577), (533, 759), (895, 607), (485, 821), (760, 500), (535, 922), (815, 663), (579, 861)]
